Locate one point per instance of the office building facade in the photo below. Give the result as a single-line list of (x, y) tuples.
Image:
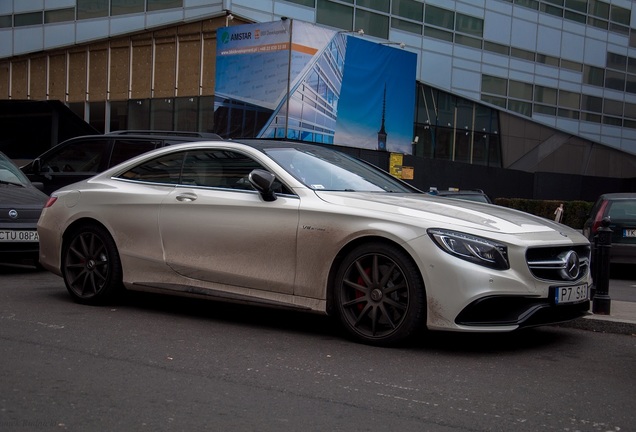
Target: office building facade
[(528, 85)]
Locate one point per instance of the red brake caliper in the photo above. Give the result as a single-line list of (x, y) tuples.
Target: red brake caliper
[(358, 293)]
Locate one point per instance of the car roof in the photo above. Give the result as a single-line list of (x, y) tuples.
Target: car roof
[(195, 136), (262, 144), (618, 196), (161, 134), (460, 192)]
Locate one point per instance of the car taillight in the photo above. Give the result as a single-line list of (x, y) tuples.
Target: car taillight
[(50, 202), (599, 217)]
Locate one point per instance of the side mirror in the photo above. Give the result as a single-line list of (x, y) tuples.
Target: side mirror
[(36, 166), (263, 182)]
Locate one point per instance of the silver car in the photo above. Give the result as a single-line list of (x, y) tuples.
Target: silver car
[(309, 228)]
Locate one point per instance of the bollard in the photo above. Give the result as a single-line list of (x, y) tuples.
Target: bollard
[(602, 303)]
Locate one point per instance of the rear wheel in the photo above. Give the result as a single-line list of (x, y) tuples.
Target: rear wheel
[(91, 266), (379, 294)]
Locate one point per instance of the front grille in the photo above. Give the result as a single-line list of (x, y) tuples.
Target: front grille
[(561, 264), (25, 215)]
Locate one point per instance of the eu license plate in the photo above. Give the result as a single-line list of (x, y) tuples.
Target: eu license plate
[(629, 232), (571, 294), (12, 236)]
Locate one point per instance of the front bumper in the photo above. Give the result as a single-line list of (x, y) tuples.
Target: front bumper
[(506, 311), (18, 252)]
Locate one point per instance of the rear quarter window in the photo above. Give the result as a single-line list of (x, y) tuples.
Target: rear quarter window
[(164, 169)]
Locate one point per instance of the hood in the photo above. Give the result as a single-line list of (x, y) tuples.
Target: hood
[(20, 196), (20, 205), (439, 211)]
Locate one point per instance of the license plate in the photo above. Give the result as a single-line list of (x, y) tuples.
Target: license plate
[(571, 294), (629, 232), (18, 236)]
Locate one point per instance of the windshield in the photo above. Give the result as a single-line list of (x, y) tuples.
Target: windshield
[(10, 173), (324, 169)]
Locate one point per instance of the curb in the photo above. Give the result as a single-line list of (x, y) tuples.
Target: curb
[(602, 324)]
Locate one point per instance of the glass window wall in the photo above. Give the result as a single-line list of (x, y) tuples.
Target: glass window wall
[(122, 7), (59, 15), (87, 9), (154, 5), (613, 107), (439, 17), (615, 80), (27, 19), (569, 99), (469, 25), (410, 9), (406, 26), (599, 9), (118, 115), (592, 103), (334, 15), (594, 76), (494, 85), (308, 3), (620, 15), (373, 24), (546, 95), (6, 21), (453, 128), (520, 90), (438, 34), (577, 5), (379, 5), (97, 115)]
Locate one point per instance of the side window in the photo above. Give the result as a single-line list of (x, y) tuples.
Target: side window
[(221, 168), (164, 169), (127, 149), (86, 156), (218, 168)]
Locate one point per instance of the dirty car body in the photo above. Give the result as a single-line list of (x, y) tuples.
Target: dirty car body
[(306, 227)]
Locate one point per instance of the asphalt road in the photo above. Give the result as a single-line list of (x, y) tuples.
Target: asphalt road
[(165, 364), (622, 284)]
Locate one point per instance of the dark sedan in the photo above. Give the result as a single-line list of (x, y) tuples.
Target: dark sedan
[(21, 204), (620, 208)]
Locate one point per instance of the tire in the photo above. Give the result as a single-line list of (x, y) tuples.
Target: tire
[(380, 295), (91, 266)]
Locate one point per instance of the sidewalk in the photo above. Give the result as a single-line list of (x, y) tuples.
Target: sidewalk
[(621, 320)]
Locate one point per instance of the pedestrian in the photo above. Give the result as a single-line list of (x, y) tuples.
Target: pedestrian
[(558, 213)]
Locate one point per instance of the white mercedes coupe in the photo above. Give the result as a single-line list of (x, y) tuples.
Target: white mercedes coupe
[(306, 227)]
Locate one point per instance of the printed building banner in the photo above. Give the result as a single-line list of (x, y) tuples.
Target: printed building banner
[(291, 79)]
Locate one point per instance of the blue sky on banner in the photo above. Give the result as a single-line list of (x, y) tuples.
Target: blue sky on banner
[(369, 67)]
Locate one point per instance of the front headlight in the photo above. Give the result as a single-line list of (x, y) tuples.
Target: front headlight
[(477, 250)]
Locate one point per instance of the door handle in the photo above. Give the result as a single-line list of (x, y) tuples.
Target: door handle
[(187, 197)]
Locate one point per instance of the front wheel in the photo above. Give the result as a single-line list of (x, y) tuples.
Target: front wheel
[(379, 294), (90, 265)]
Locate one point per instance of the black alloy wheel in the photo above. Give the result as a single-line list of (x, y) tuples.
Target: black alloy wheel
[(380, 295), (91, 266)]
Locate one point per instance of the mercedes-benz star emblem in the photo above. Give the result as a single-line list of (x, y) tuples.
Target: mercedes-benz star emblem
[(13, 214), (572, 266)]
